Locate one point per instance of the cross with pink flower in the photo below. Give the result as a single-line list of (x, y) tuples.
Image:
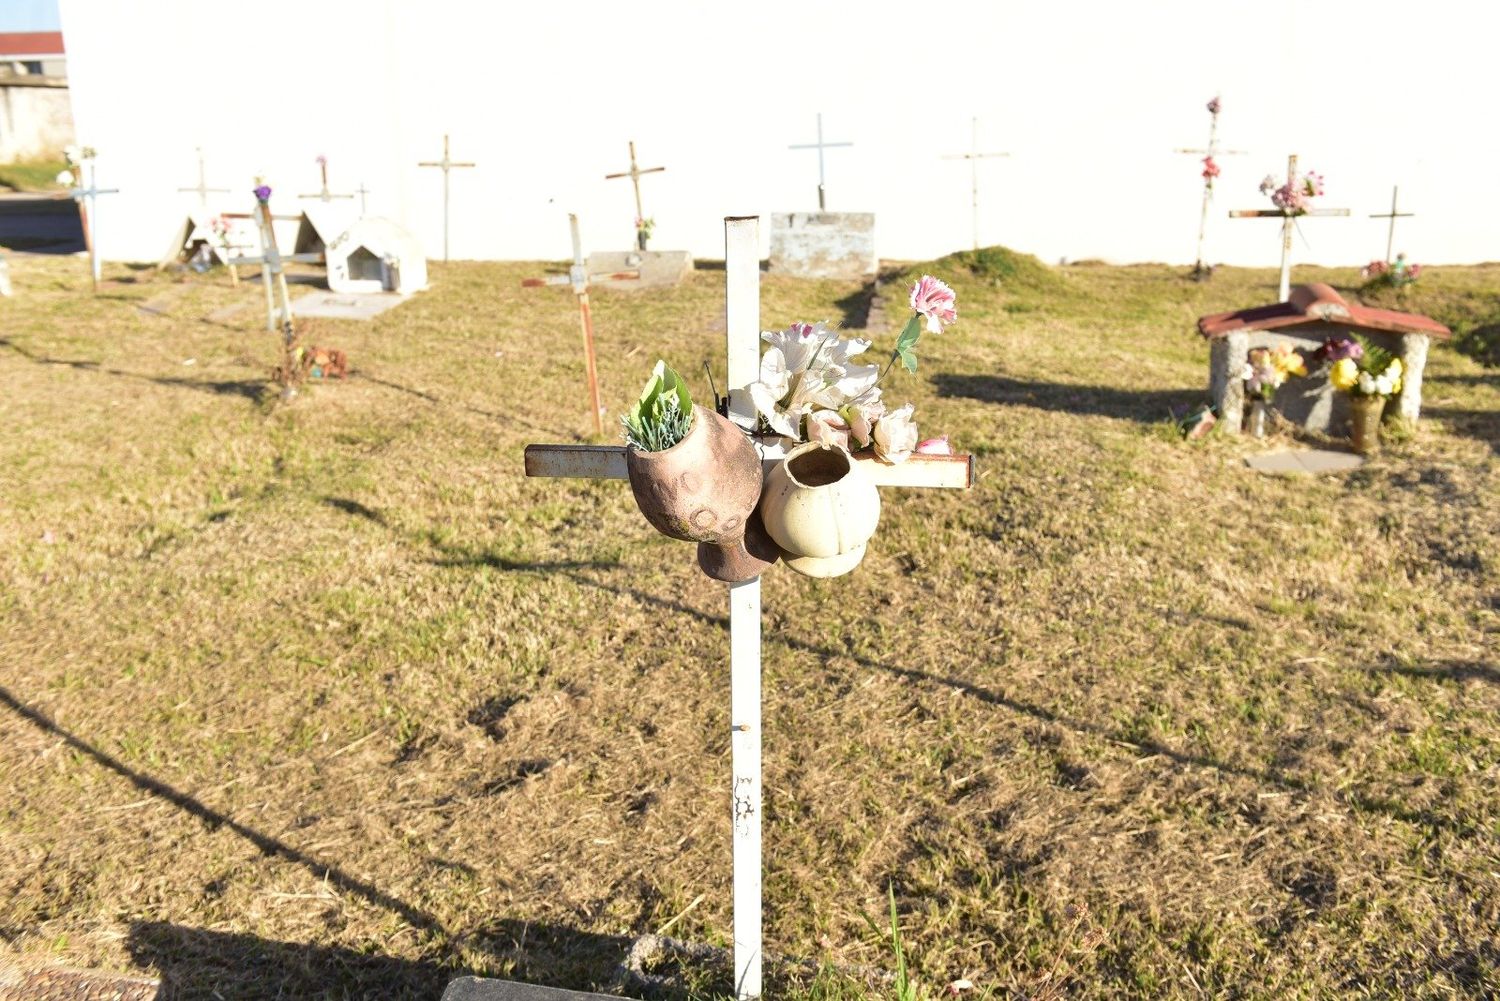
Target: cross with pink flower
[(811, 396), (1291, 200)]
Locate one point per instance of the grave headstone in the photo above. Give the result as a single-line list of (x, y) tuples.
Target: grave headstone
[(657, 268), (823, 244)]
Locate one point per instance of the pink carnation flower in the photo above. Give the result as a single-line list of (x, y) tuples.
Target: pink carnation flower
[(1213, 106), (934, 300)]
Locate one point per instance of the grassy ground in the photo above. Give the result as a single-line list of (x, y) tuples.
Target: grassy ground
[(34, 175), (329, 701)]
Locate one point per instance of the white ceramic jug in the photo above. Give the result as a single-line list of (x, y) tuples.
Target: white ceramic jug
[(821, 509)]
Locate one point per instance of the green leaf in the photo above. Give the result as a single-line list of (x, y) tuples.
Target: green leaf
[(908, 360), (910, 334)]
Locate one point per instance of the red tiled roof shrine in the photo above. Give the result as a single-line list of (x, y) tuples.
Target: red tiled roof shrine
[(1318, 303), (15, 44)]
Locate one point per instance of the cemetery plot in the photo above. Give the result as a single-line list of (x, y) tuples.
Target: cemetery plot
[(329, 700)]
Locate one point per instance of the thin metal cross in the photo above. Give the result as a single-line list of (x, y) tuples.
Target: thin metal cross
[(203, 189), (362, 191), (579, 278), (324, 195), (447, 163), (742, 320), (820, 145), (90, 218), (634, 173), (1392, 215), (270, 262), (974, 156), (1288, 222), (1209, 152)]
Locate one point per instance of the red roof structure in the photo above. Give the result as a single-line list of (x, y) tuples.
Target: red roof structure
[(19, 44), (1316, 304)]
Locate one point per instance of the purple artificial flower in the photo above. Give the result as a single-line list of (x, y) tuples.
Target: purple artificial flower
[(263, 192), (1213, 106), (1338, 348)]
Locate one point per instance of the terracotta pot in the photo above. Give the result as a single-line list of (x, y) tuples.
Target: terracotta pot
[(821, 509), (744, 559), (702, 488), (1364, 423)]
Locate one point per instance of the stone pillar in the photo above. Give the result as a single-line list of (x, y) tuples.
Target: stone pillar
[(1227, 356), (1413, 361)]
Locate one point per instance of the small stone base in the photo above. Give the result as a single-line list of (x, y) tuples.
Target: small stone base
[(1304, 462), (346, 305), (658, 268)]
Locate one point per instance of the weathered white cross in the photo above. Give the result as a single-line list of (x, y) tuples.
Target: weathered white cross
[(1392, 215), (974, 156), (634, 173), (447, 163), (203, 189), (1209, 152), (742, 319), (324, 195), (91, 224), (270, 261), (820, 146), (1288, 222), (579, 278)]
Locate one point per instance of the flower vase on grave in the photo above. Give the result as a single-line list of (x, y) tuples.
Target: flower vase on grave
[(1364, 423), (1260, 414), (704, 489), (821, 509)]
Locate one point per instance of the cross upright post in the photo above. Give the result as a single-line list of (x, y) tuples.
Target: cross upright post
[(203, 189), (634, 173), (974, 156), (1208, 153), (90, 215), (742, 323), (270, 259), (325, 195), (447, 163), (820, 145), (1392, 215), (362, 191), (1288, 224)]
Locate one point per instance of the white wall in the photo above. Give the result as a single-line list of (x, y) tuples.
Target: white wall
[(35, 119), (1089, 97)]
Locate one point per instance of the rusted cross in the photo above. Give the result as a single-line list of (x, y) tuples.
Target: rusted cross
[(1392, 215), (579, 278), (1209, 152), (973, 156), (1288, 222), (742, 319), (324, 195), (634, 173), (447, 164)]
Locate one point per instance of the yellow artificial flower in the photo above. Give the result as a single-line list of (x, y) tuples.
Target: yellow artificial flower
[(1394, 369), (1396, 385), (1344, 373)]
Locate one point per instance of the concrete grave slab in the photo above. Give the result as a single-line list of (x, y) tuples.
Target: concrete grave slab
[(1304, 462), (658, 268), (339, 306), (483, 989), (823, 244)]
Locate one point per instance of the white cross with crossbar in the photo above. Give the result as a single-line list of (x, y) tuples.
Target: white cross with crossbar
[(1288, 221)]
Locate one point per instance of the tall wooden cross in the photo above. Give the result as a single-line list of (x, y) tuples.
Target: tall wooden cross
[(579, 278), (820, 146), (974, 156), (1288, 222), (272, 277), (1209, 152), (203, 189), (324, 195), (742, 316), (634, 173), (90, 218), (447, 163), (1392, 215)]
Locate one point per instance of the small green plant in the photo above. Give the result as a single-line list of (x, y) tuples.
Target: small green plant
[(906, 989), (663, 415)]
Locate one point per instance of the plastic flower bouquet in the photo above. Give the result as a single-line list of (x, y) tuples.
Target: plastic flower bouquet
[(1269, 368), (1295, 196)]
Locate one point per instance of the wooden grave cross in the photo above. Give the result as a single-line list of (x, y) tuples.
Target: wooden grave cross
[(90, 218), (324, 195), (974, 156), (270, 261), (820, 146), (579, 278), (742, 316), (634, 173), (1392, 215), (447, 163), (1209, 152), (1288, 222), (203, 189)]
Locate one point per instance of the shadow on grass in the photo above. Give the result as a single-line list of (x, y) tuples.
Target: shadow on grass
[(1483, 425), (1452, 670), (268, 845), (1148, 406), (422, 394), (250, 389)]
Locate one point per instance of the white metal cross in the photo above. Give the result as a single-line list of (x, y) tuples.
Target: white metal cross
[(1288, 222), (90, 218), (203, 189), (362, 191), (579, 278), (1392, 215), (447, 163), (272, 277), (742, 320), (820, 146), (974, 156), (1213, 149)]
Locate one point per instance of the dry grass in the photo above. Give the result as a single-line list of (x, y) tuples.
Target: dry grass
[(329, 701)]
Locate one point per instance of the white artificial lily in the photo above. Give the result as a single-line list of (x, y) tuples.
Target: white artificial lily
[(896, 435)]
